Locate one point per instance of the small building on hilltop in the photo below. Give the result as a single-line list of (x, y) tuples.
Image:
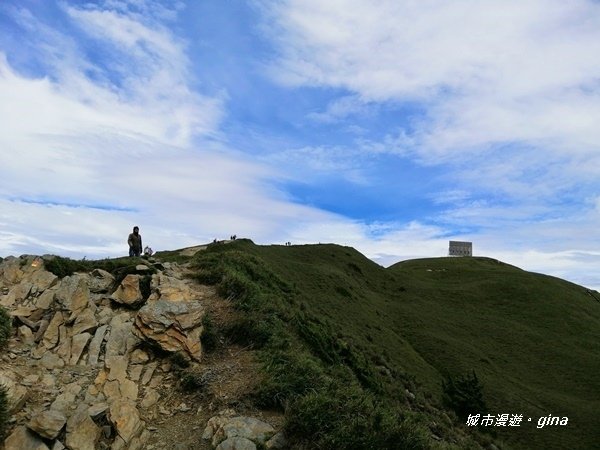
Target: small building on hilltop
[(460, 248)]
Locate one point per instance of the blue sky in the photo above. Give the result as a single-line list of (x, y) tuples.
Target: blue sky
[(390, 126)]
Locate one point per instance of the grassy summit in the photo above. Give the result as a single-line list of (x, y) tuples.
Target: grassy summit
[(344, 339)]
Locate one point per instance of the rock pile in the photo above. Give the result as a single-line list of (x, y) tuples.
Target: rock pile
[(228, 431), (81, 370)]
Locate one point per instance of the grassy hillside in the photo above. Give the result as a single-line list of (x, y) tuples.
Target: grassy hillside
[(342, 334)]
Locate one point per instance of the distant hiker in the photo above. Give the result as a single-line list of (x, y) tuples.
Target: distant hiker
[(135, 242), (148, 251)]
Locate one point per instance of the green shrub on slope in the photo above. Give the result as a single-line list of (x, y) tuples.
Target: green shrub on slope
[(5, 324), (464, 394)]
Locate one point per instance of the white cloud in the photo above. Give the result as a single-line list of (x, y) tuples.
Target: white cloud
[(135, 136), (490, 72)]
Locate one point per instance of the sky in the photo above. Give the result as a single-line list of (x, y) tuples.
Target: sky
[(392, 126)]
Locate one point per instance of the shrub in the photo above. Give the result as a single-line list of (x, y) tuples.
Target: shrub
[(210, 338), (289, 374), (464, 394), (5, 325), (179, 359), (62, 267), (3, 411), (345, 417)]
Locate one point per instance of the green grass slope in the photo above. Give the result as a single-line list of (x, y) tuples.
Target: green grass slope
[(342, 332)]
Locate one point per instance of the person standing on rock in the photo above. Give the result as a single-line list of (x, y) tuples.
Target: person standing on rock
[(135, 242)]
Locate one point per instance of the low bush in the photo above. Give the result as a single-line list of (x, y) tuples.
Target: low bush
[(4, 416), (345, 417), (464, 394), (62, 267), (5, 327), (210, 337)]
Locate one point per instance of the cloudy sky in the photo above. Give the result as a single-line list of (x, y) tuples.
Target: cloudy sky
[(391, 125)]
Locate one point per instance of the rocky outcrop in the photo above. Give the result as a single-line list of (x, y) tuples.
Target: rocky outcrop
[(82, 371), (129, 292), (173, 326)]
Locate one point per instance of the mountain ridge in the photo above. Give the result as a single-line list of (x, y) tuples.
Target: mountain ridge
[(328, 325)]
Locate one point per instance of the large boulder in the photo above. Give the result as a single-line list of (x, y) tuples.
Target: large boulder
[(16, 393), (73, 293), (23, 439), (48, 423), (174, 326), (100, 281), (228, 432), (129, 293)]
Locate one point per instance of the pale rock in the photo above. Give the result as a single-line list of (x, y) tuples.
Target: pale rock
[(277, 442), (105, 315), (73, 293), (139, 442), (25, 335), (30, 380), (85, 321), (156, 381), (39, 334), (66, 399), (11, 270), (46, 300), (96, 345), (100, 281), (121, 340), (64, 347), (142, 268), (48, 423), (97, 409), (42, 279), (118, 368), (129, 390), (150, 399), (22, 312), (82, 432), (112, 390), (128, 292), (236, 443), (50, 339), (139, 356), (58, 446), (48, 380), (174, 326), (16, 394), (51, 361), (17, 294), (125, 418), (78, 345), (135, 372), (173, 289), (249, 427), (100, 378), (150, 368), (23, 439), (216, 422)]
